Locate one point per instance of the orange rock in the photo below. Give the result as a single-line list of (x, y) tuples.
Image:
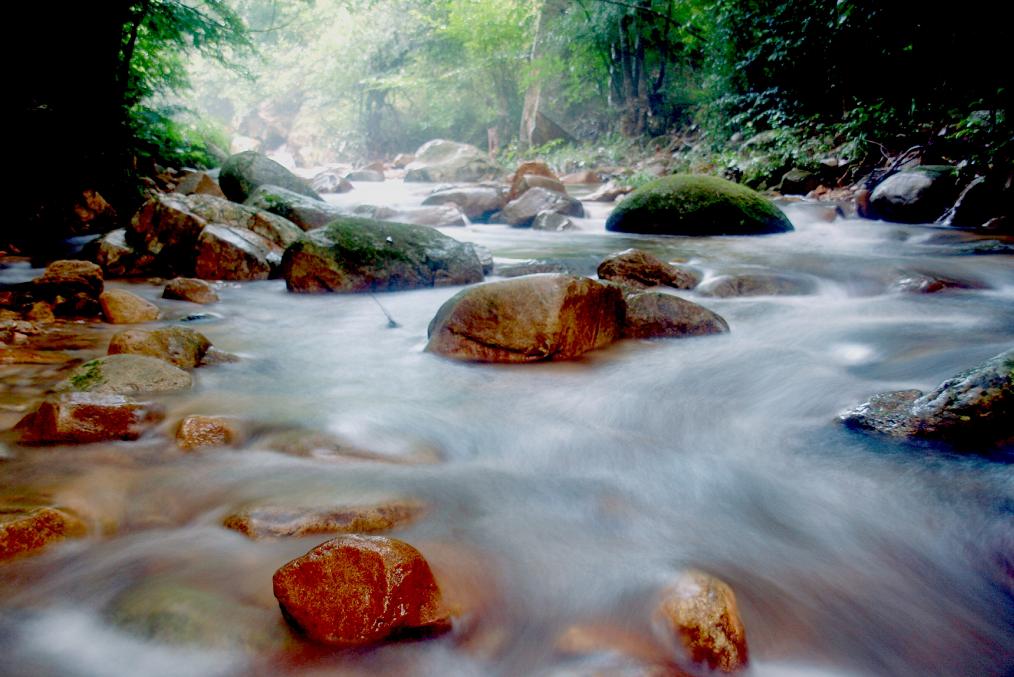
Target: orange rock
[(28, 356), (123, 307), (80, 418), (639, 269), (360, 590), (524, 169), (196, 432), (181, 346), (190, 289), (73, 287), (41, 312), (700, 612), (277, 520), (584, 178), (27, 528)]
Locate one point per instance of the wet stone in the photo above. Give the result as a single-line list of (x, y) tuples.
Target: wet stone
[(273, 521), (181, 346), (660, 315), (190, 289), (127, 375), (638, 268), (123, 307), (78, 418), (198, 432), (26, 527)]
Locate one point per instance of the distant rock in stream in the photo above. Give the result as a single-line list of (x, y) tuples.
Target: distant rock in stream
[(441, 161), (685, 204), (975, 407), (363, 255), (655, 314), (639, 269), (275, 521), (917, 195), (244, 172), (478, 203)]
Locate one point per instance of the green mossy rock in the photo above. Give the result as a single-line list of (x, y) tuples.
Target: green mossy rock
[(244, 172), (363, 255), (683, 204)]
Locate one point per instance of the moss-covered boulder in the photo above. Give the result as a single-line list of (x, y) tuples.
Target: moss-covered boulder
[(696, 205), (126, 375), (363, 255), (301, 210), (243, 172)]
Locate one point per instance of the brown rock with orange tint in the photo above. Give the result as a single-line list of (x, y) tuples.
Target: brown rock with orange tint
[(700, 612), (72, 287), (181, 346), (79, 418), (25, 528), (270, 521), (360, 590), (196, 432), (518, 185), (190, 289), (639, 269), (123, 307)]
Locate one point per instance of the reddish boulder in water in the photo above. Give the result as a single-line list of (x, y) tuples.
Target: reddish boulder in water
[(360, 590), (79, 418), (190, 289), (637, 268), (26, 527), (660, 315), (120, 306), (72, 287), (180, 346)]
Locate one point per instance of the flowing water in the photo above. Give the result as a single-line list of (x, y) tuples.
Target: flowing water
[(566, 493)]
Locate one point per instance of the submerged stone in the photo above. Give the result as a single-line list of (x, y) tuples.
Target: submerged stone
[(26, 527), (683, 204), (273, 521)]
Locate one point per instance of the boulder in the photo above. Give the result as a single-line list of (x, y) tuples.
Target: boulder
[(181, 346), (120, 306), (127, 375), (402, 160), (272, 227), (521, 212), (553, 222), (699, 613), (118, 259), (974, 408), (91, 214), (366, 175), (757, 284), (527, 319), (305, 212), (167, 228), (361, 255), (225, 253), (984, 199), (683, 204), (478, 203), (657, 314), (360, 590), (197, 432), (80, 418), (916, 195), (441, 161), (525, 169), (798, 182), (71, 287), (244, 172), (436, 216), (41, 312), (608, 192), (485, 258), (639, 269), (199, 182), (26, 526), (537, 181), (914, 282), (584, 178), (190, 289), (533, 267), (330, 182), (274, 521)]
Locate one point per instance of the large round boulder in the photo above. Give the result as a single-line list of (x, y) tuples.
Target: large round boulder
[(683, 204), (654, 314), (360, 590), (71, 287), (478, 203), (917, 195), (528, 319), (303, 211), (441, 161), (127, 375), (245, 171), (181, 346), (362, 255), (521, 212)]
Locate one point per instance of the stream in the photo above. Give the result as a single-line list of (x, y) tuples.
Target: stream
[(564, 493)]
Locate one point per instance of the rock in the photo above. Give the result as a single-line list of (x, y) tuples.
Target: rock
[(190, 289), (436, 216), (478, 203), (26, 527), (529, 181), (975, 407), (982, 200), (360, 590), (607, 193), (360, 255), (80, 418), (526, 169), (798, 182), (637, 268), (244, 172), (700, 613), (485, 257), (197, 432), (330, 182), (521, 212), (120, 306), (41, 312), (272, 227), (199, 182), (541, 317), (92, 214), (657, 314), (921, 283), (553, 222), (127, 375), (305, 212), (367, 175), (165, 612), (180, 346), (759, 284), (532, 268), (441, 161), (917, 195), (584, 178), (274, 521), (166, 228), (225, 253), (696, 205), (72, 287), (118, 259), (402, 160)]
